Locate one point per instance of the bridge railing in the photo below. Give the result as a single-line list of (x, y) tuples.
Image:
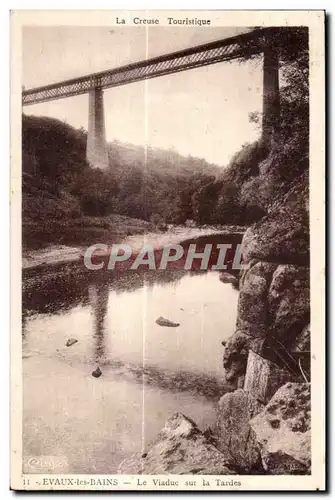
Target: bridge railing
[(243, 45)]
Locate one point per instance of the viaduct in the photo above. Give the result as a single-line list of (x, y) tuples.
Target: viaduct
[(266, 41)]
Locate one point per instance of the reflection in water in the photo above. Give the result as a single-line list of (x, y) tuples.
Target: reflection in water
[(114, 326), (98, 297), (63, 286), (63, 291), (149, 372)]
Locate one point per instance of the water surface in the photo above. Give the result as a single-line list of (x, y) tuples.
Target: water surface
[(148, 371)]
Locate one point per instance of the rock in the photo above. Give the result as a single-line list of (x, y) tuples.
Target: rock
[(303, 341), (289, 301), (70, 342), (257, 277), (97, 373), (263, 378), (166, 322), (252, 309), (301, 351), (235, 356), (229, 278), (255, 330), (236, 439), (280, 236), (180, 448), (283, 430)]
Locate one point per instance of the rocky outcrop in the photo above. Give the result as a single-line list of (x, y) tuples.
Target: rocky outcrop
[(263, 425), (269, 353), (273, 305), (235, 438), (235, 358), (282, 235), (273, 301), (263, 377), (303, 341), (283, 431), (252, 310), (180, 448), (288, 301), (229, 278)]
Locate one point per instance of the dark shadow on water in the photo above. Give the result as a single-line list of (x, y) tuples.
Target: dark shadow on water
[(58, 288)]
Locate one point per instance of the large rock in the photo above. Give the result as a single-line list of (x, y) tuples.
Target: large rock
[(283, 431), (263, 377), (180, 448), (289, 301), (236, 439), (252, 309), (235, 357), (273, 301), (282, 235)]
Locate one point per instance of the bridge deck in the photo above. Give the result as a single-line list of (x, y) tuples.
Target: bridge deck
[(243, 45)]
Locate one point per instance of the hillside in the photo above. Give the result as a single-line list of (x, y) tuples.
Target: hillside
[(160, 161), (63, 197)]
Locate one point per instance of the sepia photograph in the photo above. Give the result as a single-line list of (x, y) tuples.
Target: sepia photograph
[(167, 175)]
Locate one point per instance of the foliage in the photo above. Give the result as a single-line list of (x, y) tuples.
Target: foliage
[(255, 175), (163, 186), (58, 184)]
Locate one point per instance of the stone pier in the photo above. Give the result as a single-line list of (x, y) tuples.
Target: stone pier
[(96, 152)]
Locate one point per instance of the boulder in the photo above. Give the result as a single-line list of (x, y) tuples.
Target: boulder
[(280, 236), (252, 310), (254, 329), (236, 439), (257, 277), (263, 378), (70, 342), (235, 356), (166, 322), (283, 431), (97, 373), (229, 278), (180, 448), (288, 300)]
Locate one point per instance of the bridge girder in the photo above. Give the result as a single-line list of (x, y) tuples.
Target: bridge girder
[(241, 46)]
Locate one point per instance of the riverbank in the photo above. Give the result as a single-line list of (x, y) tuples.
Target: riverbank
[(134, 235), (80, 231)]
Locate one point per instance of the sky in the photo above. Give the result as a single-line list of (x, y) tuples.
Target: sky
[(201, 112)]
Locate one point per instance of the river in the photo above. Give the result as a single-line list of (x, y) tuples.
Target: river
[(87, 424)]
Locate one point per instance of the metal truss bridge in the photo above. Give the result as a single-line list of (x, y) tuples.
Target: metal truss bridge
[(241, 46)]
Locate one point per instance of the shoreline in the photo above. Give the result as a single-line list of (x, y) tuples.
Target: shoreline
[(53, 255)]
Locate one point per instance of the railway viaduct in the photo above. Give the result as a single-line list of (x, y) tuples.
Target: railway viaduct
[(266, 41)]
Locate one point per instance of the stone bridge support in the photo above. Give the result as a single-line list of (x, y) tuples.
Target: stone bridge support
[(96, 151), (271, 99)]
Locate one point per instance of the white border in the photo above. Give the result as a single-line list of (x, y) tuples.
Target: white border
[(317, 234)]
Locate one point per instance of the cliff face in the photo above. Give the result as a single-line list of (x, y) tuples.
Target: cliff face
[(263, 426), (273, 306), (269, 353)]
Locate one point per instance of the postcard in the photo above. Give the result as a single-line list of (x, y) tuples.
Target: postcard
[(167, 242)]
